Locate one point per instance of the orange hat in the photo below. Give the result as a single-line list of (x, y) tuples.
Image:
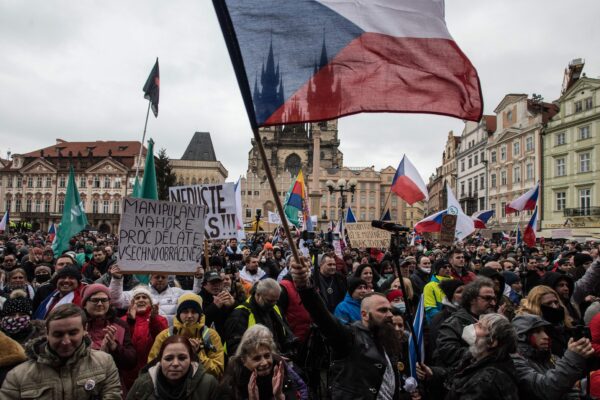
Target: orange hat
[(268, 246)]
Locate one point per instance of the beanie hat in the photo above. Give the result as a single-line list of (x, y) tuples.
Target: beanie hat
[(439, 264), (354, 283), (89, 290), (17, 303), (394, 294), (43, 267), (268, 246), (581, 258), (510, 277), (449, 287), (69, 270), (141, 289), (189, 300)]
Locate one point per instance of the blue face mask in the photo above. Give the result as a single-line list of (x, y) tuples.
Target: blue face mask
[(401, 307)]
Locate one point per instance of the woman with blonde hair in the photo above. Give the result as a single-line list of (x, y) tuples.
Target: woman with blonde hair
[(545, 302)]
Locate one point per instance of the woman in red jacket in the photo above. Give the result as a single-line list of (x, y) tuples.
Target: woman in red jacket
[(145, 324)]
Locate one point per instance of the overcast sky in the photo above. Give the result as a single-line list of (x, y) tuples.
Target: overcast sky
[(75, 70)]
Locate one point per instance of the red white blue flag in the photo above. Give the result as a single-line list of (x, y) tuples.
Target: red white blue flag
[(481, 218), (51, 232), (527, 201), (529, 234), (311, 60), (408, 184)]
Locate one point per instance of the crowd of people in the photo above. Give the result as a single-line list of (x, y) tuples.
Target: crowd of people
[(500, 322)]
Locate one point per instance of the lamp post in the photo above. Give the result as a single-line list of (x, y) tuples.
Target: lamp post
[(342, 187)]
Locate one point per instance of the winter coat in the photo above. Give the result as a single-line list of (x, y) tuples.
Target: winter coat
[(359, 363), (166, 300), (12, 354), (465, 276), (212, 355), (438, 319), (432, 296), (291, 306), (87, 272), (129, 281), (348, 311), (87, 374), (215, 316), (450, 347), (201, 385), (588, 284), (44, 308), (419, 279), (125, 356), (252, 279)]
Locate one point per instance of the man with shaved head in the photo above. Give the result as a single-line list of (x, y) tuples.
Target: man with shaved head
[(363, 351)]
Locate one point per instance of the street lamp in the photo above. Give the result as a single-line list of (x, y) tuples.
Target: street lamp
[(342, 186)]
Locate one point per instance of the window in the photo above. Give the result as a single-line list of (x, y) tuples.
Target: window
[(8, 204), (96, 182), (481, 181), (470, 162), (493, 206), (585, 162), (248, 213), (482, 157), (48, 181), (578, 106), (94, 206), (561, 200), (38, 181), (503, 178), (588, 103), (481, 203), (516, 174), (18, 205), (462, 189), (38, 205), (363, 199), (516, 148), (474, 184), (105, 207), (61, 205), (509, 116), (82, 181), (529, 143), (106, 182), (503, 153), (529, 171), (493, 180), (116, 207), (584, 132), (372, 198), (561, 168), (475, 159), (62, 181), (9, 181), (30, 181), (561, 138), (470, 187), (47, 205), (256, 192), (19, 182), (363, 216), (503, 207), (585, 200), (394, 201), (493, 156), (462, 165), (28, 205), (118, 182)]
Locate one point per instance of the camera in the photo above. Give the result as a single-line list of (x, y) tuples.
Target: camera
[(581, 331)]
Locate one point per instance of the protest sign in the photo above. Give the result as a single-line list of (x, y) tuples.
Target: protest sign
[(274, 218), (219, 199), (448, 231), (160, 236), (362, 234)]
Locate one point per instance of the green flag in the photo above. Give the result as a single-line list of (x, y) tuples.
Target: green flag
[(136, 188), (73, 218), (149, 190), (291, 212)]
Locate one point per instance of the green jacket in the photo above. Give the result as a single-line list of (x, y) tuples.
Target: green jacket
[(202, 385), (88, 374)]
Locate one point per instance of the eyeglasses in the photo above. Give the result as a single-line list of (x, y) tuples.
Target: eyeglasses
[(98, 301), (489, 299)]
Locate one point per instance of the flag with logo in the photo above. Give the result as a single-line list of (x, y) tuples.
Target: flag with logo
[(152, 88), (73, 218)]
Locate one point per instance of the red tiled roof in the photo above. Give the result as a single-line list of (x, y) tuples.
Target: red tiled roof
[(98, 148)]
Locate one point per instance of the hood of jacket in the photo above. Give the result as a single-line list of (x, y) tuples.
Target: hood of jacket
[(551, 279), (524, 323), (193, 330)]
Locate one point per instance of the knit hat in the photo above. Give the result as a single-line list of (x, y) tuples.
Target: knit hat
[(510, 277), (189, 300), (581, 258), (409, 260), (17, 303), (89, 290), (449, 287), (141, 289), (69, 270), (590, 312), (268, 246), (439, 264), (354, 283), (41, 267), (394, 294)]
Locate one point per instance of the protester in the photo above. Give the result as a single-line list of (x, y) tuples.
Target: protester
[(17, 279), (43, 291), (251, 272), (348, 311), (62, 365), (217, 303), (422, 275), (68, 290), (458, 268), (257, 371), (177, 375), (331, 284), (432, 294), (15, 319), (452, 289), (291, 307)]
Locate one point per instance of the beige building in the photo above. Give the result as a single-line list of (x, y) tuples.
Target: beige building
[(571, 145), (513, 154), (33, 185), (199, 164), (446, 173)]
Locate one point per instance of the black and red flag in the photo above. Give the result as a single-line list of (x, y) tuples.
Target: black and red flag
[(152, 88)]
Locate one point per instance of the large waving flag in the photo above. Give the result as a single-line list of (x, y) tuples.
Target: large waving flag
[(311, 60), (527, 201), (416, 344), (432, 223), (5, 223), (481, 218), (298, 201), (152, 88), (73, 218), (529, 234), (408, 184)]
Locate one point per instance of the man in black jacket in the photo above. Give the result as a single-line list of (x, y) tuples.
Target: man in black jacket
[(361, 367)]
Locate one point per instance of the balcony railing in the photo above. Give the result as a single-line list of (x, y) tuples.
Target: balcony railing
[(582, 212)]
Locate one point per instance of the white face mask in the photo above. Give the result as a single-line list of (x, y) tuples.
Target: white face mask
[(469, 335), (427, 270), (401, 306)]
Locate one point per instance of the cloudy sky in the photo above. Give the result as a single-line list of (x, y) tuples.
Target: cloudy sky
[(74, 69)]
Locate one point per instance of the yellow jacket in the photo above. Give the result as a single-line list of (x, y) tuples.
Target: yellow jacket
[(211, 355), (432, 296)]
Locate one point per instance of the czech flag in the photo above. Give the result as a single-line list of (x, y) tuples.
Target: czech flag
[(313, 60), (433, 223), (51, 232), (529, 234), (386, 216), (350, 218), (528, 201), (407, 183), (481, 218)]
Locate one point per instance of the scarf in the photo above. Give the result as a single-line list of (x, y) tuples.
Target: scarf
[(172, 391)]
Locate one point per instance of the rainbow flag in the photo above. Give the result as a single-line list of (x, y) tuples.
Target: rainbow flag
[(298, 199)]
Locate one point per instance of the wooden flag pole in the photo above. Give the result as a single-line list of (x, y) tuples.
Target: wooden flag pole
[(284, 221), (137, 168)]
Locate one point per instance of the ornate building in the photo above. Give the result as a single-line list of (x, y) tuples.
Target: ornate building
[(199, 164), (446, 173), (33, 185)]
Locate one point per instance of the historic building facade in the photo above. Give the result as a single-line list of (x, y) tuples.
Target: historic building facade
[(446, 173), (199, 164), (33, 185), (571, 168)]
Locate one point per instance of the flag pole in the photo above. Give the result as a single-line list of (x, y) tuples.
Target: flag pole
[(137, 168), (385, 204), (263, 156)]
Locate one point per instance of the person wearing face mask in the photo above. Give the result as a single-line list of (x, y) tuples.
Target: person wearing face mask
[(544, 302), (15, 319), (260, 308), (422, 275), (348, 311), (396, 299), (43, 274), (540, 374)]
